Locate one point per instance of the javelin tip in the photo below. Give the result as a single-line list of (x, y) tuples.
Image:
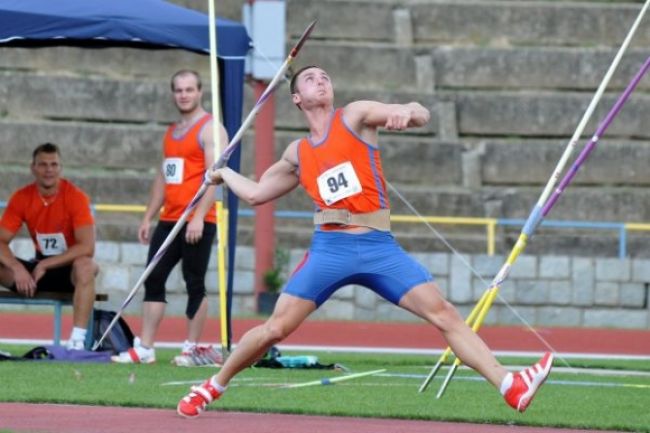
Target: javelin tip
[(303, 38)]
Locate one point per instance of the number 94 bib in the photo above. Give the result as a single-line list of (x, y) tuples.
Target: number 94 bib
[(338, 183)]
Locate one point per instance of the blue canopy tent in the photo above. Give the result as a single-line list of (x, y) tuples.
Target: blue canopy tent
[(149, 24)]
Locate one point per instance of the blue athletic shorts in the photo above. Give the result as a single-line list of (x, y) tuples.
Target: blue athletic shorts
[(374, 260)]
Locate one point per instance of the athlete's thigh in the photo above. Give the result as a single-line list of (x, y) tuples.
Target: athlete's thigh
[(391, 272), (321, 273), (290, 311), (196, 257), (172, 254), (423, 299), (56, 280)]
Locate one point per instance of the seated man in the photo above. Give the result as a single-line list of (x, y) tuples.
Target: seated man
[(58, 217)]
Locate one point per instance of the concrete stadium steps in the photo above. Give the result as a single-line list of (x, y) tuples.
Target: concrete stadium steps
[(85, 98), (117, 226), (490, 113), (363, 65), (552, 68), (84, 144), (116, 163), (115, 63), (556, 23), (338, 19), (102, 186), (469, 22), (546, 114), (613, 162), (526, 113)]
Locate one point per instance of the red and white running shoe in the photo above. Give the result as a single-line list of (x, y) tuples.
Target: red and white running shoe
[(526, 383), (135, 355), (195, 402)]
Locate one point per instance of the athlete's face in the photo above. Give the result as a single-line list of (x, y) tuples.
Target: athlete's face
[(313, 86), (187, 95), (46, 169)]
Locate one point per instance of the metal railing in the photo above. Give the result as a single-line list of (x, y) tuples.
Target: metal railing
[(490, 224)]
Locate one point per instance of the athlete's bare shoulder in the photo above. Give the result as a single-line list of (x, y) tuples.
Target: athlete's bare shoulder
[(290, 154)]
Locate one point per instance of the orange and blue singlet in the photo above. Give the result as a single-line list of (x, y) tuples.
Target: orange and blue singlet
[(342, 171), (184, 168)]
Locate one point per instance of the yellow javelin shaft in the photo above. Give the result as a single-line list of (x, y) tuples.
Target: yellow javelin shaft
[(221, 271), (492, 292)]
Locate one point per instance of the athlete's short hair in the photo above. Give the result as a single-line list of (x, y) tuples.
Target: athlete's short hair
[(294, 77), (199, 84), (45, 148)]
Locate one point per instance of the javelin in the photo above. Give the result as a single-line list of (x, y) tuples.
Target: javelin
[(223, 159), (479, 312), (327, 381)]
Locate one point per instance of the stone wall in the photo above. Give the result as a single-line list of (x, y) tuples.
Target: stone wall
[(542, 290)]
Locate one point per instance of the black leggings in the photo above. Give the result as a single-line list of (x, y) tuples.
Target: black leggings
[(194, 266)]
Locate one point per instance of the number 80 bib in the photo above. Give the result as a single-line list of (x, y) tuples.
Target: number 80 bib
[(338, 183), (173, 170)]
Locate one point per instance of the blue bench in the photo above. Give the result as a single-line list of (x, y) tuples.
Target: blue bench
[(56, 299)]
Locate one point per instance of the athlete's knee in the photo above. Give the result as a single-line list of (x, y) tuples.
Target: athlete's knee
[(444, 315), (154, 292), (84, 270), (275, 331), (194, 300)]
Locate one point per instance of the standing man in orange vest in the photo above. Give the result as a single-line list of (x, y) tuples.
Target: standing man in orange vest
[(59, 220), (339, 166), (188, 151)]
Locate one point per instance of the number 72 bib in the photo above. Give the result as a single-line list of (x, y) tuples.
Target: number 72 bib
[(338, 183), (51, 244)]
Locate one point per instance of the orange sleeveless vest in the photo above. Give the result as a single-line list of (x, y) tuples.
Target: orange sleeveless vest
[(183, 169), (342, 147)]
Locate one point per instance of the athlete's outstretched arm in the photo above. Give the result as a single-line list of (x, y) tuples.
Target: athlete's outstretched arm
[(277, 180), (372, 114)]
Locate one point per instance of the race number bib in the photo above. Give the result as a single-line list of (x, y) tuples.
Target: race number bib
[(173, 170), (51, 244), (338, 183)]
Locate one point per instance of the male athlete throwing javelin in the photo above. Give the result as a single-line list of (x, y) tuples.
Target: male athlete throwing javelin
[(339, 166)]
